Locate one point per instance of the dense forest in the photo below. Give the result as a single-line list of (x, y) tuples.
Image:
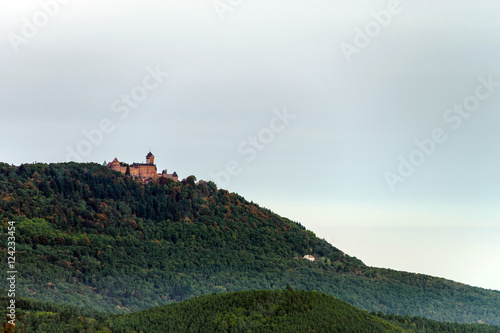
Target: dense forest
[(247, 311), (91, 237)]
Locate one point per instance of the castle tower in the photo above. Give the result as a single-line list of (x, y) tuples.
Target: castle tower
[(150, 158)]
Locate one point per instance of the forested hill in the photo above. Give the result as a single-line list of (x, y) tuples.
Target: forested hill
[(96, 238), (246, 311)]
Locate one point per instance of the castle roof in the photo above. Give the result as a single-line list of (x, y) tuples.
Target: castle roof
[(174, 174), (115, 161), (150, 155), (142, 164)]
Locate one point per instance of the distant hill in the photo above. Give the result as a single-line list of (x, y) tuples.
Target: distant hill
[(247, 311), (100, 239), (277, 311)]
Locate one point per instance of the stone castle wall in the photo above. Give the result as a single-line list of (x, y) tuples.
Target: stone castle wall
[(118, 167), (144, 171)]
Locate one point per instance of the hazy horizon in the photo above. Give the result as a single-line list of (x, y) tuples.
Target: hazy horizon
[(372, 124)]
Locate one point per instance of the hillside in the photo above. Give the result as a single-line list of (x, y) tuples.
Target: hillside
[(246, 311), (95, 238), (276, 311)]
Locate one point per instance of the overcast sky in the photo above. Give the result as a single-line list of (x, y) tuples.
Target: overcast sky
[(373, 123)]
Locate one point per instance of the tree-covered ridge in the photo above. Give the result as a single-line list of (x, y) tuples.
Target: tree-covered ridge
[(78, 198), (256, 311), (100, 239), (249, 311)]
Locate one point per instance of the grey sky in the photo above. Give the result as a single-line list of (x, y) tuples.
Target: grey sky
[(326, 168)]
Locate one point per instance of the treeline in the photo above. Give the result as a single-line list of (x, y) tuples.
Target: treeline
[(251, 311), (88, 198)]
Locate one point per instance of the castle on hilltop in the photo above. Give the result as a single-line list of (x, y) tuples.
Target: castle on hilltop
[(144, 171)]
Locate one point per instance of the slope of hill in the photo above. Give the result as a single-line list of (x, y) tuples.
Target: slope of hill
[(99, 239), (247, 311)]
